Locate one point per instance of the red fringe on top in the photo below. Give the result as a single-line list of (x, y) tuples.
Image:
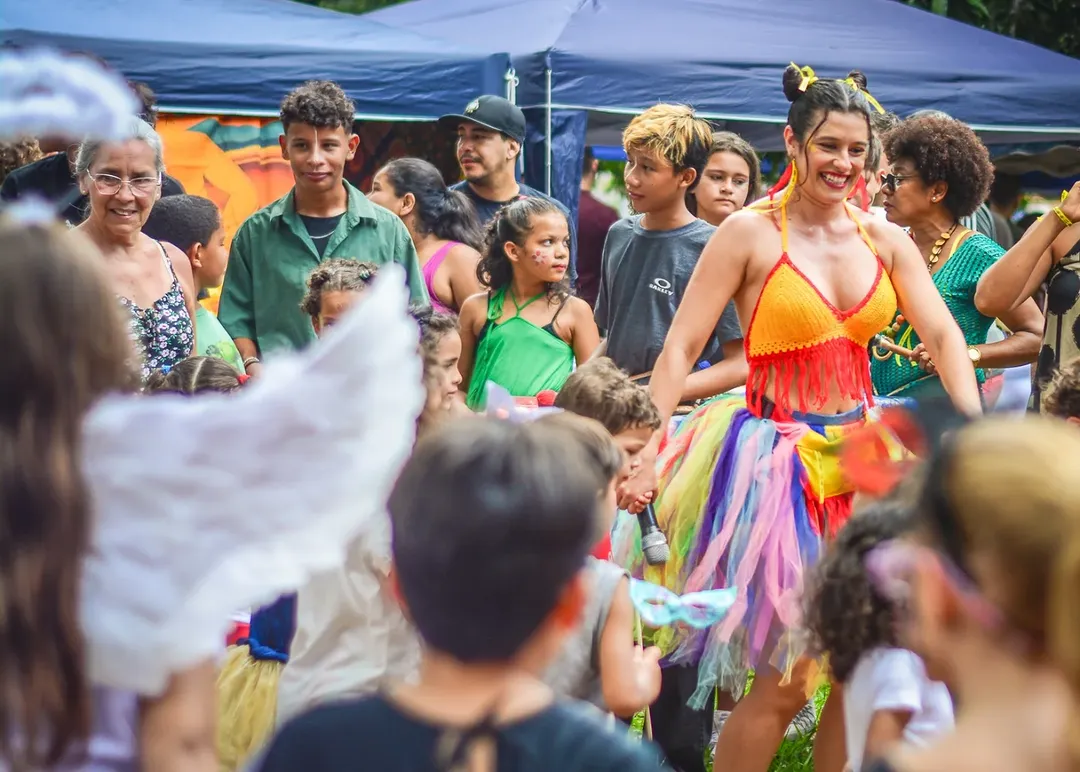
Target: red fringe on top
[(811, 371)]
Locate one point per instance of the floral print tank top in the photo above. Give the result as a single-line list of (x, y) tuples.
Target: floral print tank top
[(163, 333)]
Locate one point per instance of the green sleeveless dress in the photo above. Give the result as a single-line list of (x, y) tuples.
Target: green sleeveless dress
[(956, 281), (519, 356)]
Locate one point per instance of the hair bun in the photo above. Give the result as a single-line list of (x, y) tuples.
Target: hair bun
[(859, 78), (792, 80)]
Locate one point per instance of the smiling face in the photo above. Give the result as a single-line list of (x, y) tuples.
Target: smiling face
[(123, 183), (724, 186), (317, 155), (483, 153), (832, 158), (545, 255)]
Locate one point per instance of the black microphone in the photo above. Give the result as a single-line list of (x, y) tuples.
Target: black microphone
[(653, 542)]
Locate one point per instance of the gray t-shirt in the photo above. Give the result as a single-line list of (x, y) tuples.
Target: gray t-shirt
[(576, 671), (642, 281)]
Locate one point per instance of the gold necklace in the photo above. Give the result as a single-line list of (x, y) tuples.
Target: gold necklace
[(935, 251)]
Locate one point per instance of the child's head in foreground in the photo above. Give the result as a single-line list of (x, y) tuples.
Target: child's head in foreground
[(196, 375), (666, 150), (601, 391), (846, 614), (193, 225), (492, 521), (333, 288), (1061, 397)]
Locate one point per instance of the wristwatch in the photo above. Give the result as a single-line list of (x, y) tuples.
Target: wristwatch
[(974, 355)]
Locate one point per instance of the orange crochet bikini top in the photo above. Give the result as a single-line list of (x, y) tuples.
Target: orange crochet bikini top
[(798, 338)]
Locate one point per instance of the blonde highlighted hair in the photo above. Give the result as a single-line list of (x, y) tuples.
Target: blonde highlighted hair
[(674, 133), (1013, 489)]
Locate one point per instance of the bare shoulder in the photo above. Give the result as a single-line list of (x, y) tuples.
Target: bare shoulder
[(888, 238), (473, 311), (463, 254), (578, 307)]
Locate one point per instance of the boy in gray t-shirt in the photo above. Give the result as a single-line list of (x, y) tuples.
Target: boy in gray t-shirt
[(648, 258)]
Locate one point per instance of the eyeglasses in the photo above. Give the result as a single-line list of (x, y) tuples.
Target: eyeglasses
[(892, 180), (110, 184)]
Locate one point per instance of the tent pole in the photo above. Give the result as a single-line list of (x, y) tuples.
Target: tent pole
[(511, 97), (547, 132)]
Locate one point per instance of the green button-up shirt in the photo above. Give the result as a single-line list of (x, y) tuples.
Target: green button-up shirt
[(272, 255)]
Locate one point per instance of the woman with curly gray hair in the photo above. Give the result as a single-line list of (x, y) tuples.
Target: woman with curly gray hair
[(940, 173)]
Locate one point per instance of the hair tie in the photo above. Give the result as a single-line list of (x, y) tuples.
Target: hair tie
[(165, 369), (856, 87), (808, 77), (243, 378)]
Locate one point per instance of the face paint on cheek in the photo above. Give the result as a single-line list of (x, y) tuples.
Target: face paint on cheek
[(539, 257)]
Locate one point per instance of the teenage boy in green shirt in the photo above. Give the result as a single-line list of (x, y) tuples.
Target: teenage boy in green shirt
[(323, 216)]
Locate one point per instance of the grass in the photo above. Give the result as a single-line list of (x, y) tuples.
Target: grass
[(795, 755)]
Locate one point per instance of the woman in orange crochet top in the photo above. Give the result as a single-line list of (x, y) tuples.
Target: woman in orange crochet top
[(749, 489)]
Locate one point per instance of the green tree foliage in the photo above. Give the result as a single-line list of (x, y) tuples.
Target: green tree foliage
[(1053, 24)]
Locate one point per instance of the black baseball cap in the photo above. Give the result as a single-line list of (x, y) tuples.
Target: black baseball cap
[(491, 112)]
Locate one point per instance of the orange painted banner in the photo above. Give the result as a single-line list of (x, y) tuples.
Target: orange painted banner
[(236, 162)]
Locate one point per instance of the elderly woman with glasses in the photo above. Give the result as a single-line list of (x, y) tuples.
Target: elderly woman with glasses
[(153, 280), (940, 173)]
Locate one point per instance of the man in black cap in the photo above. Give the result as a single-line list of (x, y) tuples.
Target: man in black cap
[(490, 132)]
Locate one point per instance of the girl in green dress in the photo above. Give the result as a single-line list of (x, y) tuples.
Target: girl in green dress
[(526, 331)]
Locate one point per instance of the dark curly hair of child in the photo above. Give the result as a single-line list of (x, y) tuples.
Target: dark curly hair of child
[(1061, 398), (943, 149), (845, 614), (318, 103), (196, 375), (336, 275), (513, 223)]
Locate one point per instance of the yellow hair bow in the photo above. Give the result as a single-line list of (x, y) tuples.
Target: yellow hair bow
[(856, 87), (808, 77)]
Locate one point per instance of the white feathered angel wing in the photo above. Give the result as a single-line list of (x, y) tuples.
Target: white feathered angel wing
[(206, 505)]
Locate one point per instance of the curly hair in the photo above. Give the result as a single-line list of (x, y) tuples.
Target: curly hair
[(601, 391), (195, 375), (1061, 398), (943, 149), (19, 153), (845, 614), (336, 275), (513, 223), (318, 103)]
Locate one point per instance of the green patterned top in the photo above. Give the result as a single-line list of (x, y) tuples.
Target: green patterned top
[(956, 281)]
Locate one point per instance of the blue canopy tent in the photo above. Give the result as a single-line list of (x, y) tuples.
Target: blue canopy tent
[(610, 59), (241, 57)]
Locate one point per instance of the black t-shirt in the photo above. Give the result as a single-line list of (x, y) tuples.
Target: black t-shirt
[(486, 209), (372, 734), (320, 229), (51, 179)]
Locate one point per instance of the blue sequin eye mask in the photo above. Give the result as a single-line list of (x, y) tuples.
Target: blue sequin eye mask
[(660, 607)]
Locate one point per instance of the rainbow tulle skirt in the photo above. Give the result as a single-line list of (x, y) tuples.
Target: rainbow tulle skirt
[(745, 502)]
